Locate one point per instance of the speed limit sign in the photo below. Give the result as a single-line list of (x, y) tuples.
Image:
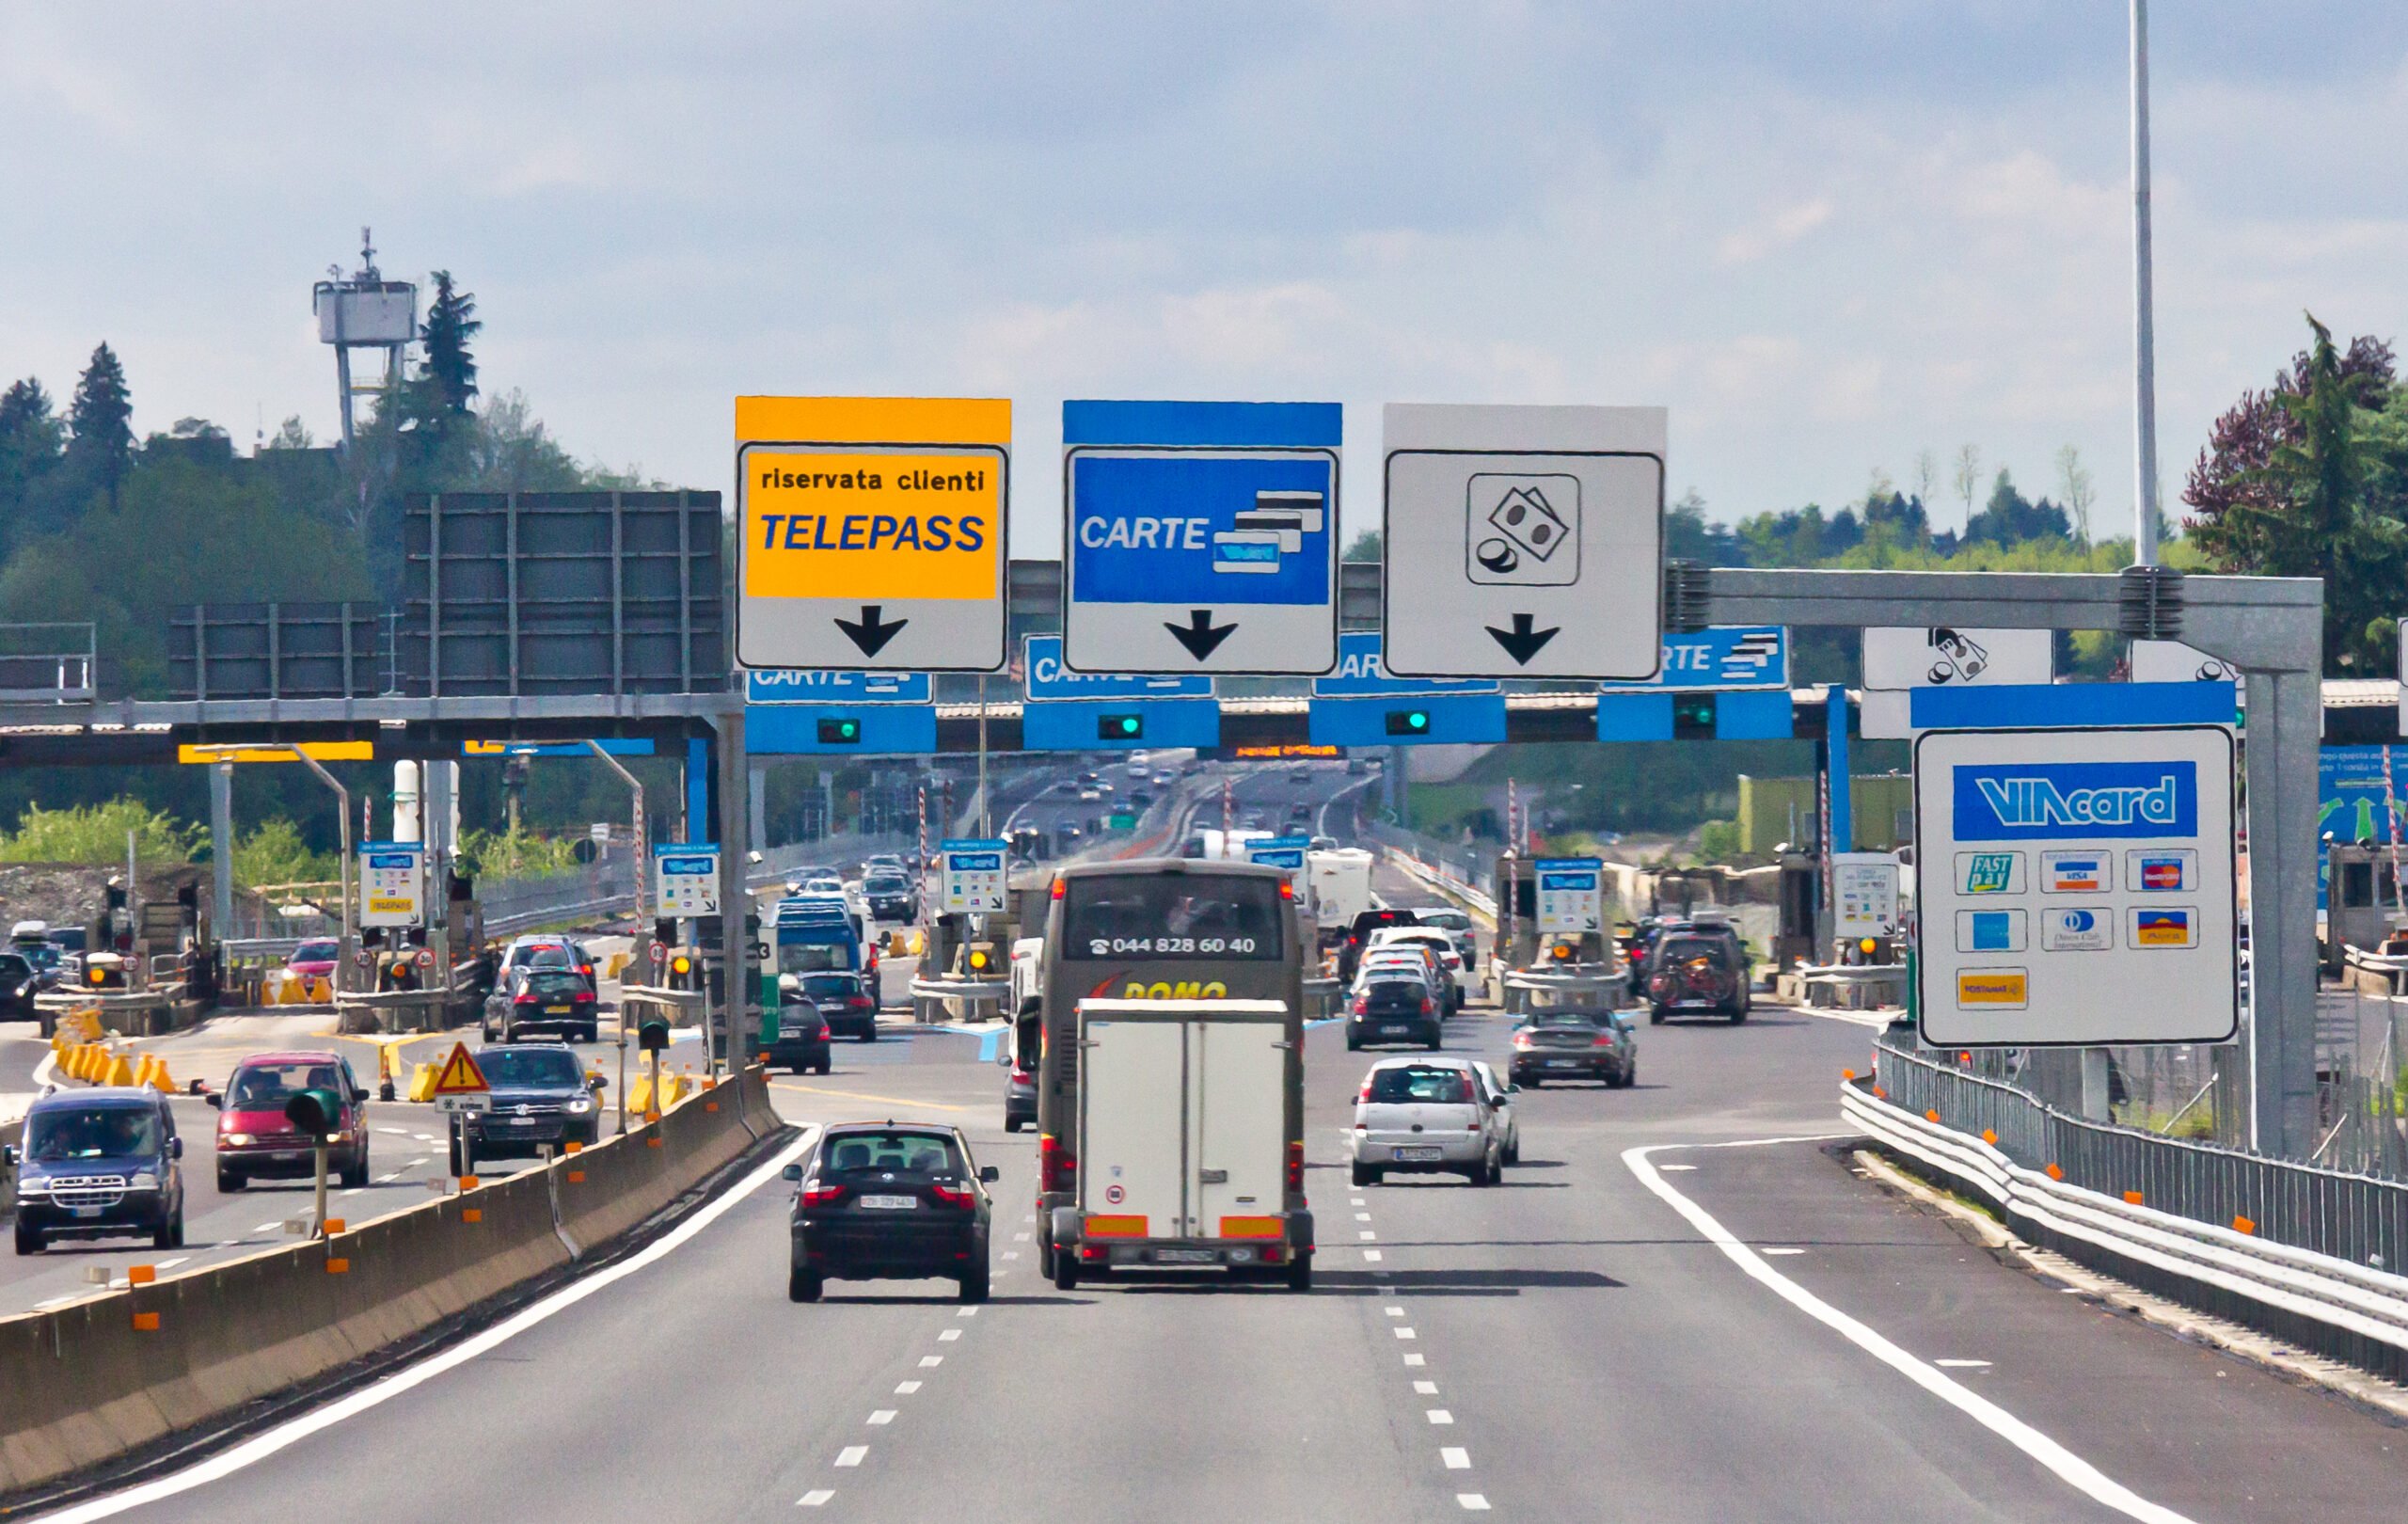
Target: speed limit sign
[(661, 952), (426, 958)]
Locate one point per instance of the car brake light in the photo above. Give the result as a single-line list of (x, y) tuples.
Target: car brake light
[(586, 969), (1605, 1040), (1362, 1005), (524, 1000), (815, 1194), (1473, 1125), (1425, 1005), (1296, 1165), (586, 995), (952, 1197), (823, 1032), (858, 1003), (1522, 1041)]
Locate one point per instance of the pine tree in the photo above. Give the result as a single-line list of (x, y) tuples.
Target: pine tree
[(98, 421), (441, 394), (31, 437)]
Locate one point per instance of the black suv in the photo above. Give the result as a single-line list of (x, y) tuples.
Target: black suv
[(1350, 952), (99, 1163), (845, 1002), (540, 1099), (889, 1200)]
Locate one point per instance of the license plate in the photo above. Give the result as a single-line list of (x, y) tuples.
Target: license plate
[(522, 1122), (1694, 1005), (1564, 1063), (1417, 1156), (555, 1010), (1176, 1256), (1394, 1029), (288, 1157), (890, 1203), (85, 1212)]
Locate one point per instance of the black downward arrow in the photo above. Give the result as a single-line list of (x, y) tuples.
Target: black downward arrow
[(1200, 634), (1522, 643), (870, 632)]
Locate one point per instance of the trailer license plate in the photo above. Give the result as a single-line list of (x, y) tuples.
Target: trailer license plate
[(890, 1203), (1178, 1256), (1417, 1155)]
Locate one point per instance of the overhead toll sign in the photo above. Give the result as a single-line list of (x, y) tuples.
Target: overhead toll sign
[(613, 746), (2090, 894), (1362, 705), (837, 688), (1075, 711), (317, 750), (1898, 660), (688, 879), (872, 532), (970, 876), (1728, 683), (1200, 537), (1523, 542), (393, 883), (1726, 657)]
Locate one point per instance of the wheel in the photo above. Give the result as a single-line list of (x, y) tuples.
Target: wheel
[(973, 1285), (355, 1175), (1066, 1270), (1300, 1273), (1483, 1173), (28, 1240), (1353, 1043), (167, 1233), (1630, 1075), (593, 1034), (1739, 1014), (1654, 1015), (871, 1036), (1011, 1124), (801, 1285), (1534, 1082), (1360, 1174), (229, 1181), (823, 1066), (1512, 1154), (1433, 1044)]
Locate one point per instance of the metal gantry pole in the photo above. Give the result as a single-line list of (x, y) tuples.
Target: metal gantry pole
[(643, 833), (221, 848), (342, 813), (2144, 309)]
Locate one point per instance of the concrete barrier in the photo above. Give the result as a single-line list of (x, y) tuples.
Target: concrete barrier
[(86, 1384)]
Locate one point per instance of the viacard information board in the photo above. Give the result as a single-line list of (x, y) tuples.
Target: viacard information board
[(2076, 886)]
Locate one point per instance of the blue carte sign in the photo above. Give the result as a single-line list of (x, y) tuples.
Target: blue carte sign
[(1049, 680)]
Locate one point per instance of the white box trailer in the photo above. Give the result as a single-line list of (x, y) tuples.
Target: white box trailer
[(1338, 887), (1188, 1149)]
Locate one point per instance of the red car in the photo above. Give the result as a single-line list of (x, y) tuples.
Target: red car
[(255, 1140), (315, 958)]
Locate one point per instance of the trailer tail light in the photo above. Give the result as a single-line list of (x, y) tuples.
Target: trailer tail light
[(1287, 889), (1057, 889), (1296, 1165), (1057, 1168)]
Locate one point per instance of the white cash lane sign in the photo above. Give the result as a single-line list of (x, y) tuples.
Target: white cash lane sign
[(2076, 886)]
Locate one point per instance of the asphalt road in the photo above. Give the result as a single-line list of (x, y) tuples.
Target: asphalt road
[(1569, 1344)]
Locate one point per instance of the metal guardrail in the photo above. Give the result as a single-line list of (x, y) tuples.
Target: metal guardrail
[(2149, 1210)]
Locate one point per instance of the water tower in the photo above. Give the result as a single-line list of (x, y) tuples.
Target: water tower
[(364, 312)]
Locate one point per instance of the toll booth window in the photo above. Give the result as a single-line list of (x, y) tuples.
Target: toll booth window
[(2357, 885), (1172, 915)]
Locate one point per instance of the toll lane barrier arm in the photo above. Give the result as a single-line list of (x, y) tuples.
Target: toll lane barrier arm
[(83, 1385), (2370, 1302)]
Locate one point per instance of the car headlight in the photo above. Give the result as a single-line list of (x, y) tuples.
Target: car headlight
[(31, 1185), (578, 1108), (143, 1181), (238, 1139)]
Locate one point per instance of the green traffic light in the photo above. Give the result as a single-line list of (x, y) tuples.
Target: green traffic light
[(1409, 721)]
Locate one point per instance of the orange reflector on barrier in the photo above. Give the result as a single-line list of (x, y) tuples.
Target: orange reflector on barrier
[(473, 1214), (140, 1274), (467, 1182), (146, 1322), (1931, 1115), (710, 1106), (1253, 1226), (652, 1142), (2242, 1225), (337, 1267), (2055, 1173), (2132, 1198), (1124, 1226), (576, 1177), (1847, 1073), (335, 1224), (1880, 1094), (574, 1146), (1990, 1138)]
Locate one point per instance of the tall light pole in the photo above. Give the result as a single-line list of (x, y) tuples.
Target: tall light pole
[(2144, 307)]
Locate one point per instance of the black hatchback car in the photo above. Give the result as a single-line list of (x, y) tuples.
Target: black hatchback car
[(800, 1045), (845, 1002), (889, 1201), (100, 1164), (1572, 1043), (1393, 1011)]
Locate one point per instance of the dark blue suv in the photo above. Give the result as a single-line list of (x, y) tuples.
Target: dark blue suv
[(100, 1164)]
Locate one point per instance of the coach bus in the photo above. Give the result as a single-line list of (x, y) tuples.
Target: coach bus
[(1161, 930)]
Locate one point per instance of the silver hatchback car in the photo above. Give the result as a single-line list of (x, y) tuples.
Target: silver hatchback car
[(1428, 1115)]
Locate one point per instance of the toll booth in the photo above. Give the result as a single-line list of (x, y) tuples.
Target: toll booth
[(1800, 889), (2361, 899)]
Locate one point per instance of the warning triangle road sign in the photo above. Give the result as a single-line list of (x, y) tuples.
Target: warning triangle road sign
[(460, 1074)]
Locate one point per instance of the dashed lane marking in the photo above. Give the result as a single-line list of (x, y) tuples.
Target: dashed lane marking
[(1781, 1251), (1455, 1458), (1367, 1235), (1439, 1415), (1404, 1333), (929, 1363), (2068, 1466), (1962, 1365), (1374, 1257), (815, 1498), (966, 1312), (1417, 1359), (865, 1095), (905, 1389), (1425, 1388), (1472, 1502), (948, 1336), (884, 1414), (1393, 1311), (852, 1455)]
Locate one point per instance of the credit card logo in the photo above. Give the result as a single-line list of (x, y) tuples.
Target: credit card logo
[(2168, 927), (1990, 930), (1990, 873), (2074, 873), (1991, 988), (2077, 928), (2163, 872)]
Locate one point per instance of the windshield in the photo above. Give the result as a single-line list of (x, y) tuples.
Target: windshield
[(91, 1133), (315, 952), (1450, 920), (1684, 949), (1407, 989), (1173, 915), (1397, 1087), (267, 1087), (1577, 1019), (532, 1068), (886, 886), (14, 967), (832, 986), (897, 1152), (555, 984), (815, 957)]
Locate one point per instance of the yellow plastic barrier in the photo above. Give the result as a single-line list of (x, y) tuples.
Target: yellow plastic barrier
[(640, 1095), (422, 1082), (120, 1071), (615, 965), (151, 1074)]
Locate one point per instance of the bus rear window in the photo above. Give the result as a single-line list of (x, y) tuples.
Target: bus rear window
[(1199, 916)]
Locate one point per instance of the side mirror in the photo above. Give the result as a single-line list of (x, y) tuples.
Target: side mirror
[(989, 1174), (792, 1173), (359, 1097), (175, 1148), (1512, 1085), (216, 1100), (9, 1155), (596, 1084)]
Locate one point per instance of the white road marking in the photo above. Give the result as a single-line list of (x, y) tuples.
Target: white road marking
[(966, 1312), (426, 1137), (171, 1262), (1393, 1311), (1472, 1502), (1962, 1365), (1372, 1256), (929, 1363), (1356, 1201), (1417, 1359), (56, 1301), (275, 1226), (394, 1131), (356, 1190), (1019, 1238), (1676, 1167), (853, 1454), (1425, 1388), (1404, 1333), (388, 1179), (1367, 1235), (884, 1414), (949, 1335), (1456, 1459), (2070, 1467), (1011, 1254), (815, 1498), (905, 1389), (1781, 1251), (1439, 1415), (227, 1462), (1362, 1217)]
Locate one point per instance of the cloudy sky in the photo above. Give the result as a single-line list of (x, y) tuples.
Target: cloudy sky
[(1826, 236)]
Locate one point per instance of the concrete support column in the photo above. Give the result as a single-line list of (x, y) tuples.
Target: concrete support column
[(2285, 722), (221, 846), (756, 809), (735, 845)]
